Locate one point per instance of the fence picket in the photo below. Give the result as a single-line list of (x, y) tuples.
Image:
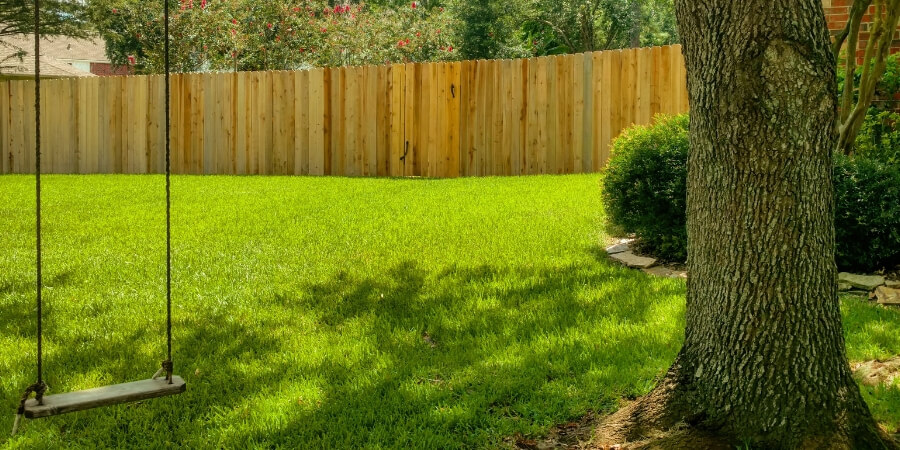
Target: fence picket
[(554, 114)]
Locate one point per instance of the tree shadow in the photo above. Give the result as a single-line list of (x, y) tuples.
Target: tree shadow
[(447, 358)]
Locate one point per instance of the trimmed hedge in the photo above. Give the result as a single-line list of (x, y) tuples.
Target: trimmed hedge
[(644, 193), (867, 213), (644, 186)]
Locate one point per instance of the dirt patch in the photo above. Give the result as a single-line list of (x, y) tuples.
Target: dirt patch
[(874, 373), (573, 435)]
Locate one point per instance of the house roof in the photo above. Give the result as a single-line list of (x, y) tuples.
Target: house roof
[(56, 53), (64, 48)]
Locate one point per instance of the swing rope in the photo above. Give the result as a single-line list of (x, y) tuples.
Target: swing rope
[(39, 388), (167, 364)]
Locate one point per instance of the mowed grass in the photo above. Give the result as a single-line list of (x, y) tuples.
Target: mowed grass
[(340, 313)]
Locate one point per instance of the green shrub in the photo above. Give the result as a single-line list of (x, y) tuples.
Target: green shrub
[(644, 192), (644, 186), (879, 137), (867, 216)]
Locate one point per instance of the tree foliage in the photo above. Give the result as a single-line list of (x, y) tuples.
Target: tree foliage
[(272, 35), (858, 92), (58, 18)]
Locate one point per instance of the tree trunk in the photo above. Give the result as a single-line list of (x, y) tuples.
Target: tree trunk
[(637, 25), (764, 358)]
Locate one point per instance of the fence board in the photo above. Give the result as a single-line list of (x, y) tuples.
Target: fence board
[(543, 115), (302, 122), (317, 122), (4, 128)]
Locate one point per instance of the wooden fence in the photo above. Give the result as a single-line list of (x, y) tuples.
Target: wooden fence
[(553, 115)]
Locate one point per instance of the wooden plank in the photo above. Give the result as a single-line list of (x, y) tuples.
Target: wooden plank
[(600, 120), (91, 154), (483, 119), (397, 107), (612, 76), (468, 115), (380, 129), (265, 124), (198, 119), (241, 123), (643, 80), (185, 112), (534, 128), (683, 102), (413, 115), (301, 123), (587, 160), (209, 123), (372, 107), (140, 128), (4, 128), (565, 156), (54, 405), (656, 77), (12, 140), (353, 152), (338, 119), (497, 164), (577, 111), (226, 128), (454, 75), (49, 128), (284, 134), (318, 122), (29, 126), (507, 129)]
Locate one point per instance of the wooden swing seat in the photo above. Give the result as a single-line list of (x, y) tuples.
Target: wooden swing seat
[(55, 405)]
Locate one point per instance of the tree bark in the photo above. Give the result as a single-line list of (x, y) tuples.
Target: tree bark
[(763, 360), (637, 25)]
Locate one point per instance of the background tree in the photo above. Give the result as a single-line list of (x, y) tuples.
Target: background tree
[(58, 18), (763, 361), (575, 26), (487, 29), (859, 91), (272, 35)]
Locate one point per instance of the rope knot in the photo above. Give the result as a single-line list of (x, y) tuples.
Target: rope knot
[(168, 368), (38, 389)]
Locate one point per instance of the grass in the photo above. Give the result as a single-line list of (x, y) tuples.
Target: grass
[(334, 313)]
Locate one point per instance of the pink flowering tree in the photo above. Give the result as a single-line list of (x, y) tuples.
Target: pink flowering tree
[(223, 35)]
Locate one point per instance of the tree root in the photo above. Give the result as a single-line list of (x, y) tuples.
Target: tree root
[(661, 421)]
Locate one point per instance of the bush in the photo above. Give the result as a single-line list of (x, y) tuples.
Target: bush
[(867, 215), (879, 137), (644, 186), (644, 192)]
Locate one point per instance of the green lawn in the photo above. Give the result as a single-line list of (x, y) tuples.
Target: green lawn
[(334, 313)]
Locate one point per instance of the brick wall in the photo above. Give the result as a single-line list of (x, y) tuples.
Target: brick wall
[(837, 13), (106, 69)]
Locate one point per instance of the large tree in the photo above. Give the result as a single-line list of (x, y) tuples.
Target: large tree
[(58, 18), (763, 360)]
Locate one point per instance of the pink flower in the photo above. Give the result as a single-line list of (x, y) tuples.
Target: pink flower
[(414, 5), (131, 59)]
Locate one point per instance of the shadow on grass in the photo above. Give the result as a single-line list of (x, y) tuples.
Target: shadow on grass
[(474, 351), (455, 358)]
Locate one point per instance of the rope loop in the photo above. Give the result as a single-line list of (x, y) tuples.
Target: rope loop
[(168, 368), (38, 389)]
